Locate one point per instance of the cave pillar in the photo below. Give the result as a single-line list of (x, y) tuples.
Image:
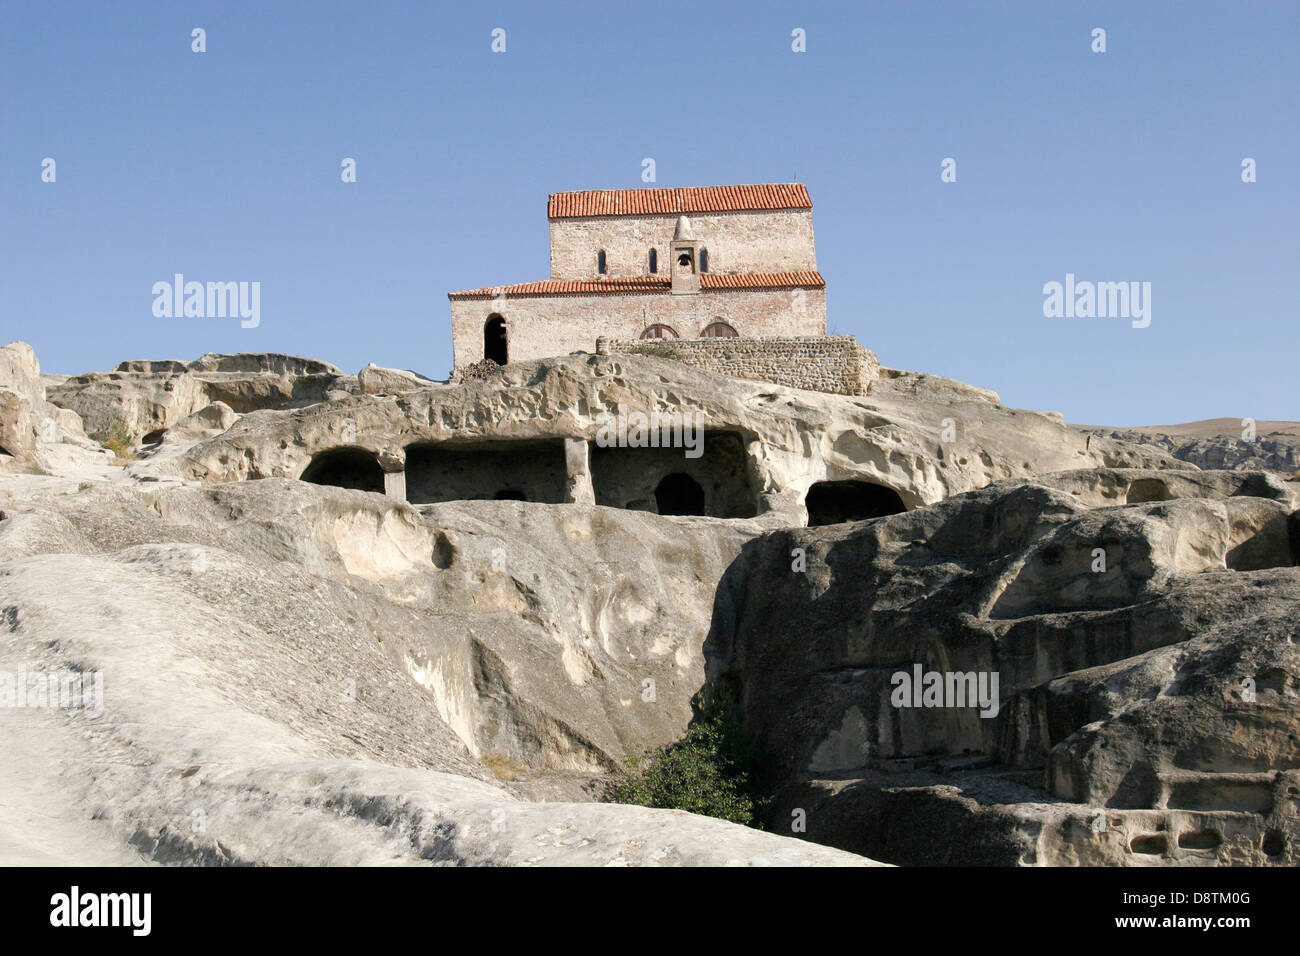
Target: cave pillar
[(577, 466), (395, 484)]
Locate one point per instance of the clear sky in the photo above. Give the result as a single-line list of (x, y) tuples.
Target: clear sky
[(225, 166)]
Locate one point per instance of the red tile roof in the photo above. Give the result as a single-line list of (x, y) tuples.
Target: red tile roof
[(636, 284), (684, 201), (763, 280)]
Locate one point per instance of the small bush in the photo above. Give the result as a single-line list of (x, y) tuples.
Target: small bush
[(709, 771), (114, 435)]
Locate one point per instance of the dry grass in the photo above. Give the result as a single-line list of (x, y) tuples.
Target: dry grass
[(505, 768), (114, 436)]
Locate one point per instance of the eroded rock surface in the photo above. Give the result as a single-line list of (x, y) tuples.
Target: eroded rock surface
[(145, 398), (1279, 454), (300, 674), (1146, 655), (921, 437), (30, 426)]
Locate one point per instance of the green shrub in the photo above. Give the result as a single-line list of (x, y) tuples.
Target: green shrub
[(709, 771), (113, 435)]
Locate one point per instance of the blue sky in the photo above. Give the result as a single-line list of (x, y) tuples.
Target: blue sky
[(225, 166)]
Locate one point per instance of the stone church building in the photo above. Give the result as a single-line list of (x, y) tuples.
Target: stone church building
[(688, 263)]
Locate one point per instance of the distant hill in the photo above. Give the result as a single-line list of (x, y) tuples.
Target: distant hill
[(1209, 428), (1218, 443)]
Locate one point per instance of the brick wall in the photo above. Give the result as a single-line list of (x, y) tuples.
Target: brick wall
[(778, 240), (545, 326), (826, 363)]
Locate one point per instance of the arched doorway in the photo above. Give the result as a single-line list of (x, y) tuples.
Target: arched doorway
[(659, 331), (495, 346), (346, 468), (679, 494), (831, 502), (719, 330)]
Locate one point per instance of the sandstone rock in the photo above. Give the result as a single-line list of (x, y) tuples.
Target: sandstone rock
[(1276, 453), (1122, 635), (919, 437), (375, 380), (267, 363), (206, 422), (21, 399), (146, 398), (136, 404), (27, 420), (335, 676), (303, 675)]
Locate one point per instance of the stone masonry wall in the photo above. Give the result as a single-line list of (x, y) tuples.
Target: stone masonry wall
[(827, 363), (778, 240), (546, 326)]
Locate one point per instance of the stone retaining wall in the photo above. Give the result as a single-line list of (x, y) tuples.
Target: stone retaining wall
[(823, 363)]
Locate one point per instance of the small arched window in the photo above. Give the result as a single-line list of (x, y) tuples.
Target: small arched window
[(704, 260), (658, 331), (600, 262), (496, 339), (719, 330), (654, 261)]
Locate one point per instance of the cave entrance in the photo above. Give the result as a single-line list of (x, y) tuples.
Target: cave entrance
[(501, 470), (495, 341), (1147, 489), (346, 468), (679, 494), (833, 502), (650, 479)]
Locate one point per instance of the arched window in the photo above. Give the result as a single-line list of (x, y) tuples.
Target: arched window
[(654, 261), (719, 330), (704, 260), (658, 331), (495, 344), (600, 262)]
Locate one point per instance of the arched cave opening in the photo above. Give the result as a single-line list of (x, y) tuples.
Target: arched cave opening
[(154, 437), (1147, 489), (679, 494), (717, 461), (833, 502), (346, 468)]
